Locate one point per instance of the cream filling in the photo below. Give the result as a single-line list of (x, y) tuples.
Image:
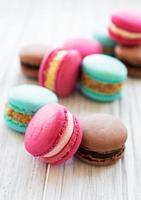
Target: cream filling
[(64, 139), (50, 74), (124, 33)]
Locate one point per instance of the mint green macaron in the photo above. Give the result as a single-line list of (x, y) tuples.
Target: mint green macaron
[(107, 43), (23, 102), (102, 77)]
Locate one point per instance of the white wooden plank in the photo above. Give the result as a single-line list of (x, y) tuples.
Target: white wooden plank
[(18, 172)]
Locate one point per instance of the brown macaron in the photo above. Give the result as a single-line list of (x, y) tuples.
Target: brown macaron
[(31, 57), (104, 138), (131, 56)]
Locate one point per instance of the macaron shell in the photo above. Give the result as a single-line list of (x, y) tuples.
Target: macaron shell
[(103, 133), (33, 54), (68, 73), (131, 55), (134, 71), (123, 40), (127, 20), (43, 133), (98, 162), (104, 68), (19, 127), (99, 96), (70, 149), (20, 99), (31, 73), (45, 64), (85, 46), (104, 39)]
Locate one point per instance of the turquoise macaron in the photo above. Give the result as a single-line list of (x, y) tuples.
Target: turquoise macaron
[(102, 77), (107, 43), (23, 102)]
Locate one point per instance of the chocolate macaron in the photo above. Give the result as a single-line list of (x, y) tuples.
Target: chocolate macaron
[(104, 138), (131, 56), (31, 57)]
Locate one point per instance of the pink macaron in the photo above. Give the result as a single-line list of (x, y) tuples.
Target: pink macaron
[(85, 46), (59, 71), (53, 134), (125, 27)]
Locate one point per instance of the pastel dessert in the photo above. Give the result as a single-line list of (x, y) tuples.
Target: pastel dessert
[(59, 71), (53, 134), (125, 27), (31, 57), (85, 46), (131, 56), (103, 141), (23, 102), (106, 41), (102, 77)]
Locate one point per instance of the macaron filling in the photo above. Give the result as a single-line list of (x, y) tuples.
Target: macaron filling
[(108, 50), (51, 73), (99, 157), (29, 65), (16, 116), (124, 33), (64, 138), (98, 86)]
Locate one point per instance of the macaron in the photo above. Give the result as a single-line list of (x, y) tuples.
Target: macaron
[(125, 27), (85, 46), (31, 57), (103, 141), (106, 41), (131, 56), (23, 102), (53, 134), (102, 77), (59, 71)]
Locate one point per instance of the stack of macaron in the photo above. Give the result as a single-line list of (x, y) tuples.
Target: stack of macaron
[(125, 29), (98, 67)]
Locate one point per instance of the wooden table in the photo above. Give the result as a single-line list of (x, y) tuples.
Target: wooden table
[(24, 177)]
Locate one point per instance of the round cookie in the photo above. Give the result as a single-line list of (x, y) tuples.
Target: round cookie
[(59, 71), (31, 57), (85, 46), (125, 27), (107, 43), (103, 141), (102, 77), (131, 56), (23, 102), (53, 134)]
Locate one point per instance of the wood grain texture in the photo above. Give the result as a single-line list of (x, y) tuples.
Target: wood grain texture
[(24, 177)]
